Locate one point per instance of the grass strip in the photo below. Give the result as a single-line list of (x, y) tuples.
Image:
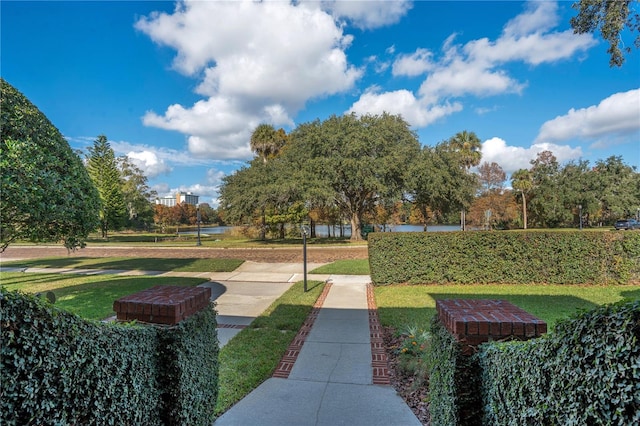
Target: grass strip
[(345, 267), (252, 355), (90, 297), (131, 264), (402, 306)]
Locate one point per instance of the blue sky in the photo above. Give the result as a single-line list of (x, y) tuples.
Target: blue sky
[(179, 86)]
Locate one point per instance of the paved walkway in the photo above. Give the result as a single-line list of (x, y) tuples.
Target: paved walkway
[(329, 376), (332, 379)]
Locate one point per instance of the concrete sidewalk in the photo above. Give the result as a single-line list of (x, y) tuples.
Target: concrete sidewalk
[(331, 382)]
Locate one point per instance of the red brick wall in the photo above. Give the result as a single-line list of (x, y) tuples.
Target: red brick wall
[(162, 304), (475, 321)]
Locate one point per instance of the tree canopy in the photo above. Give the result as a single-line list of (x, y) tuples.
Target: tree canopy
[(610, 17), (103, 169), (47, 194), (360, 162)]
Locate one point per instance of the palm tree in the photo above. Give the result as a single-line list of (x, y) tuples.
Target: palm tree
[(266, 141), (467, 145), (522, 181)]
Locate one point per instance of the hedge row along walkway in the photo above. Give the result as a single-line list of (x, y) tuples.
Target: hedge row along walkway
[(335, 372)]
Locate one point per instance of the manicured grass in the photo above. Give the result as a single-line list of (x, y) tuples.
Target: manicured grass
[(132, 264), (90, 297), (400, 306), (252, 355), (345, 267)]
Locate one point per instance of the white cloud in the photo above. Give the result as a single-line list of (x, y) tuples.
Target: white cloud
[(404, 103), (512, 158), (477, 68), (149, 163), (414, 64), (538, 16), (614, 117), (368, 14), (256, 61), (214, 177)]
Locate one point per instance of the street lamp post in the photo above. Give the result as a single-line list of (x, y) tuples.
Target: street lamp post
[(199, 243), (305, 231), (580, 213)]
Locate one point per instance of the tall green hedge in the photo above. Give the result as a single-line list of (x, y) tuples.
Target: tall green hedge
[(454, 393), (189, 358), (587, 372), (518, 257), (59, 369)]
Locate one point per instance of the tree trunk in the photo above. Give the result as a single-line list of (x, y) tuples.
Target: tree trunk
[(425, 216), (356, 227), (313, 228), (263, 226), (524, 210)]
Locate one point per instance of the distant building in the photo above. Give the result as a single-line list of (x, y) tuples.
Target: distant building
[(166, 201), (180, 197), (187, 197)]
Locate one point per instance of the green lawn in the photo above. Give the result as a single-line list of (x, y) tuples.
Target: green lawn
[(90, 297), (252, 355), (345, 267), (400, 306), (132, 264)]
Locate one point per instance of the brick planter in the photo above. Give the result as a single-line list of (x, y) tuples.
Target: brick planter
[(162, 304), (475, 321)]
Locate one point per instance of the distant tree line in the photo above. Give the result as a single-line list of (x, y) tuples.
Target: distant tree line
[(372, 170)]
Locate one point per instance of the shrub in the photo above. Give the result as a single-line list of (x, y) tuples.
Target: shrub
[(189, 356), (520, 257), (586, 372), (59, 369), (454, 397)]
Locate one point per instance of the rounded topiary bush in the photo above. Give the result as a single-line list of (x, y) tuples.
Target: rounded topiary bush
[(48, 195)]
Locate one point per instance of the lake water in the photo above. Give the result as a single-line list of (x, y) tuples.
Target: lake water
[(323, 230)]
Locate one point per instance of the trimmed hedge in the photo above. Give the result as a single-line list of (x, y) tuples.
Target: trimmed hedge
[(454, 394), (586, 372), (189, 376), (515, 257), (59, 369)]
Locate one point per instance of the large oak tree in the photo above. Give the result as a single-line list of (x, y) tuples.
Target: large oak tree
[(359, 162)]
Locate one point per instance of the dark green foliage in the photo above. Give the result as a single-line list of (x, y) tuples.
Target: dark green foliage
[(47, 193), (553, 257), (190, 370), (353, 163), (60, 369), (103, 169), (454, 396), (586, 372), (612, 18)]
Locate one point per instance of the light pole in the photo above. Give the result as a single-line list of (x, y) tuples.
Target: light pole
[(580, 213), (305, 231), (199, 243)]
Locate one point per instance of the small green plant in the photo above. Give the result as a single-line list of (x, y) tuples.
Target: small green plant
[(415, 341), (411, 351)]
